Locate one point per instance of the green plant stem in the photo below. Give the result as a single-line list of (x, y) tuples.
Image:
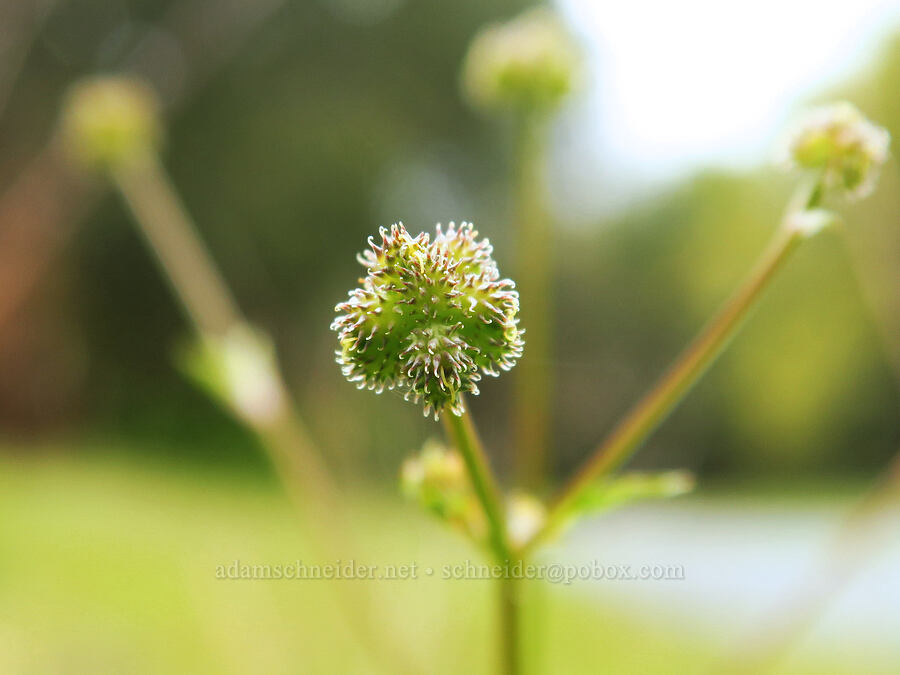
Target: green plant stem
[(534, 381), (172, 237), (857, 539), (195, 280), (510, 622), (465, 439), (461, 432), (672, 387)]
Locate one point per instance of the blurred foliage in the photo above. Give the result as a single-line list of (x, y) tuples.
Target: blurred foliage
[(115, 571), (631, 487), (338, 116)]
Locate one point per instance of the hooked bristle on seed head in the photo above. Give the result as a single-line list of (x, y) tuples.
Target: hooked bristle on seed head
[(430, 318)]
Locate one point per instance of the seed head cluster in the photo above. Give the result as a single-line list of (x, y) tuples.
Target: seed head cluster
[(110, 120), (430, 318), (847, 148), (527, 65)]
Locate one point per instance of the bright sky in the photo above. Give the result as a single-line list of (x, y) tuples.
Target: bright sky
[(680, 84)]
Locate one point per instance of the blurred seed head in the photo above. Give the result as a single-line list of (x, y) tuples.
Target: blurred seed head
[(436, 477), (528, 64), (847, 148), (435, 471), (110, 120), (430, 317)]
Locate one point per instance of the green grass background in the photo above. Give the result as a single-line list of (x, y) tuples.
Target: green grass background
[(108, 566)]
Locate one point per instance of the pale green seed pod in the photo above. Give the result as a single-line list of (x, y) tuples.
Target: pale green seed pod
[(430, 318), (110, 120), (529, 64), (838, 141)]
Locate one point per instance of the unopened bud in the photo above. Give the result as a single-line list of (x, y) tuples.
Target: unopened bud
[(110, 120), (528, 64), (437, 479), (846, 147)]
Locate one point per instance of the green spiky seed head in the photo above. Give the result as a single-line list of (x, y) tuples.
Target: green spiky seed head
[(430, 317), (108, 120), (846, 147), (529, 64)]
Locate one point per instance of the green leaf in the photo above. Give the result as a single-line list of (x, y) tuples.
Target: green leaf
[(631, 487)]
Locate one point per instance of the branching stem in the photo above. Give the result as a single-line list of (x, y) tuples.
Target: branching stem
[(688, 368), (195, 280), (534, 256), (461, 431)]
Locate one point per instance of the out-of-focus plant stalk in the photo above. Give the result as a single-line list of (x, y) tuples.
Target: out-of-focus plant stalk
[(34, 229), (534, 380), (461, 431), (172, 238), (522, 70), (171, 235), (672, 387), (848, 150)]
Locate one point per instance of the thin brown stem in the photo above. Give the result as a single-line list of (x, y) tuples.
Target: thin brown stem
[(163, 220), (40, 210), (195, 280), (534, 379), (672, 387), (856, 539)]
